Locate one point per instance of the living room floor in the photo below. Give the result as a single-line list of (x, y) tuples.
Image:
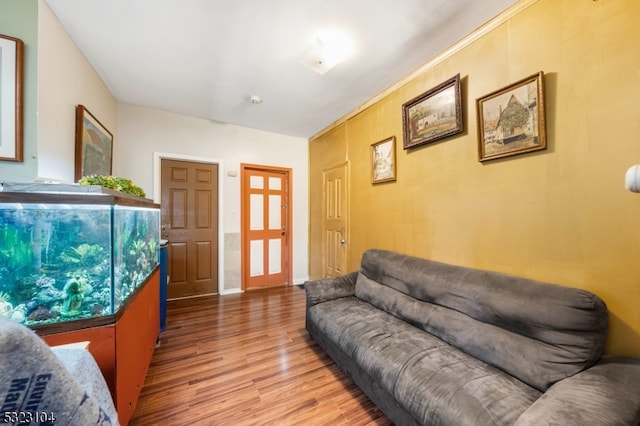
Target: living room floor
[(246, 359)]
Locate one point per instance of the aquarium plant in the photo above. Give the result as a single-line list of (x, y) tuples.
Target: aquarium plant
[(136, 250), (66, 262), (113, 182)]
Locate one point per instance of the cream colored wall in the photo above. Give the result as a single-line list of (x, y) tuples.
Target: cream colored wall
[(65, 79), (142, 132), (560, 215)]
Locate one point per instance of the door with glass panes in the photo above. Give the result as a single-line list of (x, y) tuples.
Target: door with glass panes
[(266, 230)]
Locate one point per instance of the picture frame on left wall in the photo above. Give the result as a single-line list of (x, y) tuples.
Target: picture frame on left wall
[(94, 145), (11, 98)]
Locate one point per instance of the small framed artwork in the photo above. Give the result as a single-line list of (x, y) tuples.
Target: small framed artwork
[(434, 115), (11, 115), (383, 160), (94, 145), (511, 120)]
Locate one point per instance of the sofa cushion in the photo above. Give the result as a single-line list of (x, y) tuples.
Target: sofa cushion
[(436, 382), (607, 393), (537, 332)]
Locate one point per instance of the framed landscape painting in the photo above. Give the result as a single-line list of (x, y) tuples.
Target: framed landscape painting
[(434, 115), (94, 145), (511, 120)]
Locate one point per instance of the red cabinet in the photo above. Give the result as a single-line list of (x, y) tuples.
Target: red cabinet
[(123, 349)]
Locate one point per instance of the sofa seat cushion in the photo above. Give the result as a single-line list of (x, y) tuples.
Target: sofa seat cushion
[(538, 332), (436, 382)]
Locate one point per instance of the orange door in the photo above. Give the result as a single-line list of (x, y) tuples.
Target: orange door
[(190, 223), (266, 231)]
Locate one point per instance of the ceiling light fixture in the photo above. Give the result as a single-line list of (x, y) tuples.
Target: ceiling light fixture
[(255, 99), (327, 50)]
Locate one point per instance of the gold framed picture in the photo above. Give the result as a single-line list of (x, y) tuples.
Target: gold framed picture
[(383, 160), (434, 115), (511, 120), (94, 145)]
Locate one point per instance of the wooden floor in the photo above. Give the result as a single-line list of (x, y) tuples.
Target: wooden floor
[(246, 359)]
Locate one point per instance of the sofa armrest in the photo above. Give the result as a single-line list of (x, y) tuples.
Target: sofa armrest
[(605, 394), (331, 288)]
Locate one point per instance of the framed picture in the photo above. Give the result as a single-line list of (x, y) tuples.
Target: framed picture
[(94, 145), (511, 120), (383, 160), (11, 127), (434, 115)]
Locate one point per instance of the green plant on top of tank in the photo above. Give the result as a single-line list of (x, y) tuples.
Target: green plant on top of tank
[(113, 182), (84, 254)]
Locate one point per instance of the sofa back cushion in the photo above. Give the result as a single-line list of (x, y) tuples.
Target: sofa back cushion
[(537, 332)]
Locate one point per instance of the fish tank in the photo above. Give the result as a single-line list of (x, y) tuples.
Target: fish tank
[(72, 253)]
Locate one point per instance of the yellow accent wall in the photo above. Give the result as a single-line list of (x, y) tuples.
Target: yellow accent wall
[(561, 215)]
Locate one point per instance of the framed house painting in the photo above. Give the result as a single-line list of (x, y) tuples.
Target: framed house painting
[(383, 160), (11, 115), (511, 120), (434, 115), (94, 145)]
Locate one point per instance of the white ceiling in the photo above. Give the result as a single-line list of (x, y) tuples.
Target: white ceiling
[(204, 58)]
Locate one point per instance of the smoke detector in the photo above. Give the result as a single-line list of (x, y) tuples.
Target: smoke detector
[(255, 99)]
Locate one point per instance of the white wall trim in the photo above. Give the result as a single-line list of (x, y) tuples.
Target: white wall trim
[(157, 181)]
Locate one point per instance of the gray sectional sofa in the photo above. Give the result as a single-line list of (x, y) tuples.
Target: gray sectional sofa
[(437, 344)]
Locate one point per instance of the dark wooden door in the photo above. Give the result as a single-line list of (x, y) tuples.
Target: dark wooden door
[(190, 223)]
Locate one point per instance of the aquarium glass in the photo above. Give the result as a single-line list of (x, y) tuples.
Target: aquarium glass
[(135, 249), (68, 262)]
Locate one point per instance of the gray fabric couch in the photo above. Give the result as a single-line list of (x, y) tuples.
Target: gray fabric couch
[(438, 344)]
